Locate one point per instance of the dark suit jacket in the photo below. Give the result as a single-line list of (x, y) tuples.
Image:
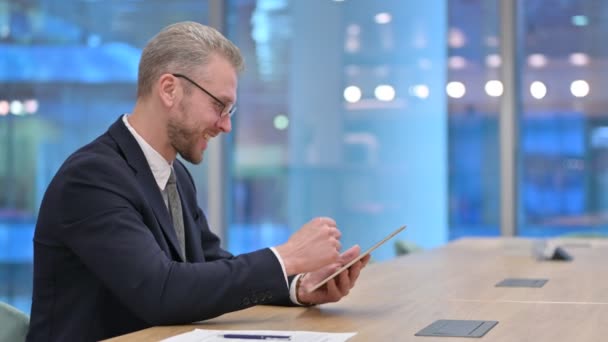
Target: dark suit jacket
[(106, 260)]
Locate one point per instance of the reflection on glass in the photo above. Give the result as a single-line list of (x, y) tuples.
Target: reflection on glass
[(68, 69), (474, 91), (563, 154), (360, 89)]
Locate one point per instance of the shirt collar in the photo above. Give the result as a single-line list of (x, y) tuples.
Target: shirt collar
[(161, 169)]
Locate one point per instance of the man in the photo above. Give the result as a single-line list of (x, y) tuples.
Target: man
[(121, 244)]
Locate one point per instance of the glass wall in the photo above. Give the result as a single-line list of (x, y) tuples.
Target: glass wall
[(342, 118), (563, 127), (298, 152), (376, 113), (68, 69), (473, 90), (258, 200)]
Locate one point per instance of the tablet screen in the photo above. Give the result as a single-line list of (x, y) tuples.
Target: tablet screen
[(362, 255)]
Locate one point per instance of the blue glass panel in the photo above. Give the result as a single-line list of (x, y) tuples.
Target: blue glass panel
[(372, 164), (67, 70)]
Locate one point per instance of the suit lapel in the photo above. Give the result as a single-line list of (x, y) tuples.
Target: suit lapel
[(136, 159)]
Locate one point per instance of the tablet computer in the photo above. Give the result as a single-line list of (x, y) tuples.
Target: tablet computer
[(362, 255)]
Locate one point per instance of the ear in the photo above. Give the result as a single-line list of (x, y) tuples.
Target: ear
[(168, 90)]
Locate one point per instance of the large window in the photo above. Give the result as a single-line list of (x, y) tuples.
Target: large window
[(322, 125), (563, 142), (376, 113), (68, 69), (342, 118), (473, 90)]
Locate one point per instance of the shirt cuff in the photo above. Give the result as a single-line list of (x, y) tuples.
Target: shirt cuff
[(293, 288), (282, 266)]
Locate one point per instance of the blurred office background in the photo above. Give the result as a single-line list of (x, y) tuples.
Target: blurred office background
[(377, 113)]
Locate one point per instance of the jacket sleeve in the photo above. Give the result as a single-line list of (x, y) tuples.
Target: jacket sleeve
[(103, 225), (211, 243)]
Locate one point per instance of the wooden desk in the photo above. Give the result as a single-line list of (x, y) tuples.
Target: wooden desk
[(395, 299), (469, 269)]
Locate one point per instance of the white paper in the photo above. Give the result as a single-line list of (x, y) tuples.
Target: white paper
[(200, 335)]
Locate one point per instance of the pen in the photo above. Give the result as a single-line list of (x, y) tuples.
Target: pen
[(258, 337)]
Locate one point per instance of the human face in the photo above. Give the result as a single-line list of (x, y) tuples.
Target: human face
[(201, 116)]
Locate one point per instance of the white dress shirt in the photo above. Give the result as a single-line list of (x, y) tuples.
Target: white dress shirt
[(161, 169)]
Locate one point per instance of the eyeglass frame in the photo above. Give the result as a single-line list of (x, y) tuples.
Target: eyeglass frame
[(224, 113)]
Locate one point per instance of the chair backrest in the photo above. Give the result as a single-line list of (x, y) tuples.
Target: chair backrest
[(13, 324), (403, 247)]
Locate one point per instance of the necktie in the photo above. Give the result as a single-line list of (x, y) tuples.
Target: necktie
[(175, 208)]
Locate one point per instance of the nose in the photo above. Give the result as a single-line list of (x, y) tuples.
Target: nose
[(225, 124)]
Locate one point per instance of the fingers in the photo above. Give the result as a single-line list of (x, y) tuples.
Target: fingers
[(333, 233), (355, 270), (344, 283), (350, 254), (330, 225), (365, 260), (337, 288), (348, 278), (326, 220), (333, 292), (337, 233)]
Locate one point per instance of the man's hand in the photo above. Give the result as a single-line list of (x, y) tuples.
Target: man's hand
[(314, 246), (337, 287)]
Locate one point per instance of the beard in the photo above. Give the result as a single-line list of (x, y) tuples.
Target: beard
[(184, 138)]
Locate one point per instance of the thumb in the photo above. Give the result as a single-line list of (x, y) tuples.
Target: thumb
[(350, 254)]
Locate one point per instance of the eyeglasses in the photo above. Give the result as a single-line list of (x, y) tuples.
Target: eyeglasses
[(225, 110)]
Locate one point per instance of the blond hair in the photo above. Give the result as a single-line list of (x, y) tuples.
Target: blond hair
[(180, 48)]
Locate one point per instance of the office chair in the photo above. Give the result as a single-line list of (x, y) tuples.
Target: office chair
[(403, 247), (13, 324)]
